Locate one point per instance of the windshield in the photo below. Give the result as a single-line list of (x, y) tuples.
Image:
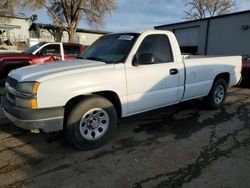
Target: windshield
[(112, 48), (33, 48)]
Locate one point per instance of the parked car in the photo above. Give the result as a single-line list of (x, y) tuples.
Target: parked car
[(245, 71), (118, 76), (40, 53)]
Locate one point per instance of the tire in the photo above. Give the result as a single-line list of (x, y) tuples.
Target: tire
[(90, 123), (217, 94)]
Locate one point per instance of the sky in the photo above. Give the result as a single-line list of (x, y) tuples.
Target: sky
[(141, 14)]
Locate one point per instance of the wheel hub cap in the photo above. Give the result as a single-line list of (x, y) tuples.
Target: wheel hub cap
[(219, 94), (94, 124)]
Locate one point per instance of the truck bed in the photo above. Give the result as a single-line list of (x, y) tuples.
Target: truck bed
[(201, 71)]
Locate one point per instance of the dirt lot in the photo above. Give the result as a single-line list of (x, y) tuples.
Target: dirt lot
[(181, 146)]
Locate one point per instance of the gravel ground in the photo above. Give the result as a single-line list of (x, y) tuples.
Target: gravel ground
[(181, 146)]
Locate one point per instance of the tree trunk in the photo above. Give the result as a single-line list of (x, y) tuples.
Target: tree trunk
[(72, 33)]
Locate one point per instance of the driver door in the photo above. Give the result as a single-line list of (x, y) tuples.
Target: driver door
[(50, 52), (154, 85)]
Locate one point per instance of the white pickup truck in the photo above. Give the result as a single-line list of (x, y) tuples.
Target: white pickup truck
[(119, 75)]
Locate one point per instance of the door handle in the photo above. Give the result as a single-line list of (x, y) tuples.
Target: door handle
[(173, 71)]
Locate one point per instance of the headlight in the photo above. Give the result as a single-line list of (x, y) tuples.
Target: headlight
[(28, 87), (26, 95)]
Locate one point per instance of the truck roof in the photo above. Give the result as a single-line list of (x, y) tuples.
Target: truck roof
[(72, 43), (144, 31)]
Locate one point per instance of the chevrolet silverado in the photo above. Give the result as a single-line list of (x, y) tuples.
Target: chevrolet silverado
[(118, 76)]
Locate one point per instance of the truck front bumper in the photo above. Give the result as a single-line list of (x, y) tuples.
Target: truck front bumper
[(47, 120)]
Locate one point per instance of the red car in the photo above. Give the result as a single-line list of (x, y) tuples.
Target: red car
[(40, 53)]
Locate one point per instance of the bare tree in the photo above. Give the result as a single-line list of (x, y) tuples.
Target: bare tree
[(67, 14), (197, 9), (7, 7)]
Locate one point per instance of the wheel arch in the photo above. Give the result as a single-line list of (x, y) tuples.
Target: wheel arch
[(109, 95), (225, 76), (113, 98)]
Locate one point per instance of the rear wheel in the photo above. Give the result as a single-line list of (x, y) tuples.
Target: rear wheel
[(90, 123), (217, 94)]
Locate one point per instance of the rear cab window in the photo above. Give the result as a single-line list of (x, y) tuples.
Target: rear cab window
[(71, 50)]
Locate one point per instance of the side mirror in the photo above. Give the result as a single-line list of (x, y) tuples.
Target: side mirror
[(144, 59)]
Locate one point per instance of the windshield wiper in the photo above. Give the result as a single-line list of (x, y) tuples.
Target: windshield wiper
[(95, 59), (79, 57)]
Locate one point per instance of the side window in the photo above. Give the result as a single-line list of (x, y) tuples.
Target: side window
[(51, 49), (71, 49), (159, 46)]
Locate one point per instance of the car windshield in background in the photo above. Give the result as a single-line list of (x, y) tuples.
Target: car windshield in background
[(33, 48), (111, 48)]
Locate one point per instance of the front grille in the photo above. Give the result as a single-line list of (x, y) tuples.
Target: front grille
[(12, 82), (11, 97)]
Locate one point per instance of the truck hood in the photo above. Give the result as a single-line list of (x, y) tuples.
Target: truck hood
[(44, 72)]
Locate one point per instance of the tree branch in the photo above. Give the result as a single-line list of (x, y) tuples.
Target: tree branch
[(197, 9), (53, 14)]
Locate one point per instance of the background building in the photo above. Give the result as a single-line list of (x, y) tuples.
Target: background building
[(14, 28), (220, 35), (18, 33), (51, 33)]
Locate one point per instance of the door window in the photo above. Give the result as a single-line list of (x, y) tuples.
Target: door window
[(159, 46), (51, 50)]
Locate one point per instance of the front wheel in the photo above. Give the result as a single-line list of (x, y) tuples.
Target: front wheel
[(90, 123), (217, 94)]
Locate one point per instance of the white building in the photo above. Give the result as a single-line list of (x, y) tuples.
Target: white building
[(14, 28), (18, 30), (51, 33)]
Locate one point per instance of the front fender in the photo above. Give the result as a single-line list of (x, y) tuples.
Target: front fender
[(57, 92)]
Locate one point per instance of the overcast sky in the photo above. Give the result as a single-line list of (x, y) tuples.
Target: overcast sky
[(143, 14)]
